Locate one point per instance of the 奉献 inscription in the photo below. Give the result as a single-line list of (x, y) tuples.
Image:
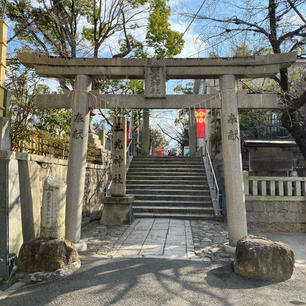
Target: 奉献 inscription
[(232, 119), (233, 135), (77, 134), (78, 118)]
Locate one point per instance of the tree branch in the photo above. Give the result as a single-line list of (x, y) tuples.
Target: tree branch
[(128, 45), (106, 119), (292, 33), (236, 21), (171, 137), (297, 11)]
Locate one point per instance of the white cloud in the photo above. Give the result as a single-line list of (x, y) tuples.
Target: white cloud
[(53, 84), (193, 42), (291, 21)]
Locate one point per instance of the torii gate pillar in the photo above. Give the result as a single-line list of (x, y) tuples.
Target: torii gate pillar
[(77, 157), (146, 132), (235, 199)]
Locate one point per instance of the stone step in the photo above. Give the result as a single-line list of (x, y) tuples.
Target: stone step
[(167, 161), (166, 165), (168, 192), (177, 216), (169, 165), (167, 171), (177, 203), (167, 158), (159, 177), (156, 185), (162, 197), (170, 187), (153, 182), (173, 209), (150, 182)]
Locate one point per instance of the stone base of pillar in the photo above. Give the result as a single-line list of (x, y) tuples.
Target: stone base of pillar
[(229, 249), (117, 210)]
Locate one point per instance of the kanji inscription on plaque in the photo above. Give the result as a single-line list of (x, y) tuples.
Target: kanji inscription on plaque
[(155, 86)]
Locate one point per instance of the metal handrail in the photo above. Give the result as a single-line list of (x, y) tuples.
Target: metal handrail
[(212, 181), (129, 155)]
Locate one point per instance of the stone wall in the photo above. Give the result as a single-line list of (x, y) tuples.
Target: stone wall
[(96, 182), (276, 216), (27, 175)]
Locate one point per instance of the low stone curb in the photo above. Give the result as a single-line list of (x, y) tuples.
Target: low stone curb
[(24, 278), (47, 276)]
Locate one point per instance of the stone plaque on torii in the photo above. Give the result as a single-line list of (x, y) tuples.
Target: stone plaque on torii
[(156, 72)]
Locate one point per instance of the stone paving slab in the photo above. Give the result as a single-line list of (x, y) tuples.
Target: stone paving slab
[(159, 238)]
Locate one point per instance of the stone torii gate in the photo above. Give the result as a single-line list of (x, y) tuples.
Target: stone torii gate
[(156, 72)]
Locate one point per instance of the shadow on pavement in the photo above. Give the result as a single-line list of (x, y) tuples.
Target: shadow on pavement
[(224, 277), (148, 281)]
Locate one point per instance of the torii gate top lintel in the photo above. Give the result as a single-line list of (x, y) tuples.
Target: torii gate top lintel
[(174, 68), (156, 72)]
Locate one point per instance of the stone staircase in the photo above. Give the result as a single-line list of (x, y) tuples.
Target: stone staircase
[(169, 187)]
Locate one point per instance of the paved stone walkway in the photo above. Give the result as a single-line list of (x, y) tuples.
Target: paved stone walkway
[(159, 238)]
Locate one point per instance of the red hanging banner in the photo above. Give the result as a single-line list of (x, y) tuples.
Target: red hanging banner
[(201, 123), (128, 132)]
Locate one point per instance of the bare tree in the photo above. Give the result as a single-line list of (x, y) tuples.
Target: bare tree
[(275, 26)]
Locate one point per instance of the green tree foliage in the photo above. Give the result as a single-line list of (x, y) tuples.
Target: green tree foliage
[(253, 124), (158, 139), (66, 28), (164, 41), (26, 119)]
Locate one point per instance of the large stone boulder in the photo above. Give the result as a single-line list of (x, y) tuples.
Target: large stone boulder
[(262, 259), (41, 255)]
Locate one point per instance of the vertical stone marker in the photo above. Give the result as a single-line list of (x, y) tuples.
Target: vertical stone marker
[(118, 207), (53, 209), (235, 199), (77, 157), (119, 157)]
